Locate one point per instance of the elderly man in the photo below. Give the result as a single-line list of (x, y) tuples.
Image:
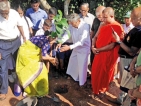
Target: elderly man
[(128, 24), (95, 26), (85, 15), (35, 14), (9, 41), (79, 31)]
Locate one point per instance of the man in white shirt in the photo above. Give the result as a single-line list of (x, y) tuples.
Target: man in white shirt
[(85, 15), (9, 41), (79, 31), (128, 24)]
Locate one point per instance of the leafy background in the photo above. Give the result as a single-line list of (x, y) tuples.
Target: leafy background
[(120, 6)]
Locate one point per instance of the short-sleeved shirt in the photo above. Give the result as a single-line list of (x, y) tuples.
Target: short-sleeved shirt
[(95, 25), (8, 27), (88, 19), (26, 25), (133, 38), (138, 81), (36, 16), (127, 28), (42, 42)]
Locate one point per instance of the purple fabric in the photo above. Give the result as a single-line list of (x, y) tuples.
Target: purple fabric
[(42, 42)]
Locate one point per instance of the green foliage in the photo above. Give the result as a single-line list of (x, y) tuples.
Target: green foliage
[(23, 3), (120, 6), (61, 25)]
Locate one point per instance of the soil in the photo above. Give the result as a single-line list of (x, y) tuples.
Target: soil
[(76, 95)]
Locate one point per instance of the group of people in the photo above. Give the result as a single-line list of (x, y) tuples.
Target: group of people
[(111, 49)]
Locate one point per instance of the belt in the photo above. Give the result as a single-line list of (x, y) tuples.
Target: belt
[(124, 56), (8, 40)]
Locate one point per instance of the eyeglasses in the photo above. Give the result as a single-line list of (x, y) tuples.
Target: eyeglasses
[(4, 13), (83, 10)]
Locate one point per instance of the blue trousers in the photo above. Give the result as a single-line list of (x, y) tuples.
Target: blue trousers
[(7, 48)]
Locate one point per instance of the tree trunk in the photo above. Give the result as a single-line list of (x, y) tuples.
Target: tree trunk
[(45, 5), (66, 6)]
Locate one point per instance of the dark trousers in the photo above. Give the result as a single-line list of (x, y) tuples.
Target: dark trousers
[(34, 31), (7, 48), (91, 57)]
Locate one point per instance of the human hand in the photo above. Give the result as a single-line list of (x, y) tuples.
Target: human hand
[(54, 61), (130, 93), (116, 37), (64, 48), (131, 68), (95, 51), (136, 92), (24, 39), (58, 46), (133, 73)]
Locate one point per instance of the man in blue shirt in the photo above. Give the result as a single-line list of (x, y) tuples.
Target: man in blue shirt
[(35, 14)]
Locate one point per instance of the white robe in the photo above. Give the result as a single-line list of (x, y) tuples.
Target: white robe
[(77, 66)]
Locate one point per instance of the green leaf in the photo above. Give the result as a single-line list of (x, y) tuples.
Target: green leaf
[(59, 29), (57, 18), (60, 13), (64, 22), (53, 34), (61, 25)]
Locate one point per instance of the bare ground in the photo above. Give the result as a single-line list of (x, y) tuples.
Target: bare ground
[(75, 96)]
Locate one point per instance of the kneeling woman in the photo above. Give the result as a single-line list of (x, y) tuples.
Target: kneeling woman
[(30, 68)]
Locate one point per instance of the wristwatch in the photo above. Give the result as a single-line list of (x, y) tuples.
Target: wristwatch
[(119, 42)]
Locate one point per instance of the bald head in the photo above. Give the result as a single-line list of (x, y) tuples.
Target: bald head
[(137, 12), (109, 10), (99, 10)]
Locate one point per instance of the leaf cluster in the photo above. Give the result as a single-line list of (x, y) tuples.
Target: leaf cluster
[(61, 25)]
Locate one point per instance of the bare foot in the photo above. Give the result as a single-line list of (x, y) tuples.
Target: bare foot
[(2, 97)]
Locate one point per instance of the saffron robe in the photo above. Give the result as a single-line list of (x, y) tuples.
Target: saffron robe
[(104, 62)]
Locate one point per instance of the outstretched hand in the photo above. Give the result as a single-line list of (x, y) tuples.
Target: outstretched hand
[(54, 61), (64, 48)]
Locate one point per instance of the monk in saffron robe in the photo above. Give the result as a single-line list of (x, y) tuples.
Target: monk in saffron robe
[(106, 53)]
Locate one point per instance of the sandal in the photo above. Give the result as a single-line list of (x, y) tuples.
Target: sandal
[(94, 96), (2, 97), (28, 101), (101, 95)]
